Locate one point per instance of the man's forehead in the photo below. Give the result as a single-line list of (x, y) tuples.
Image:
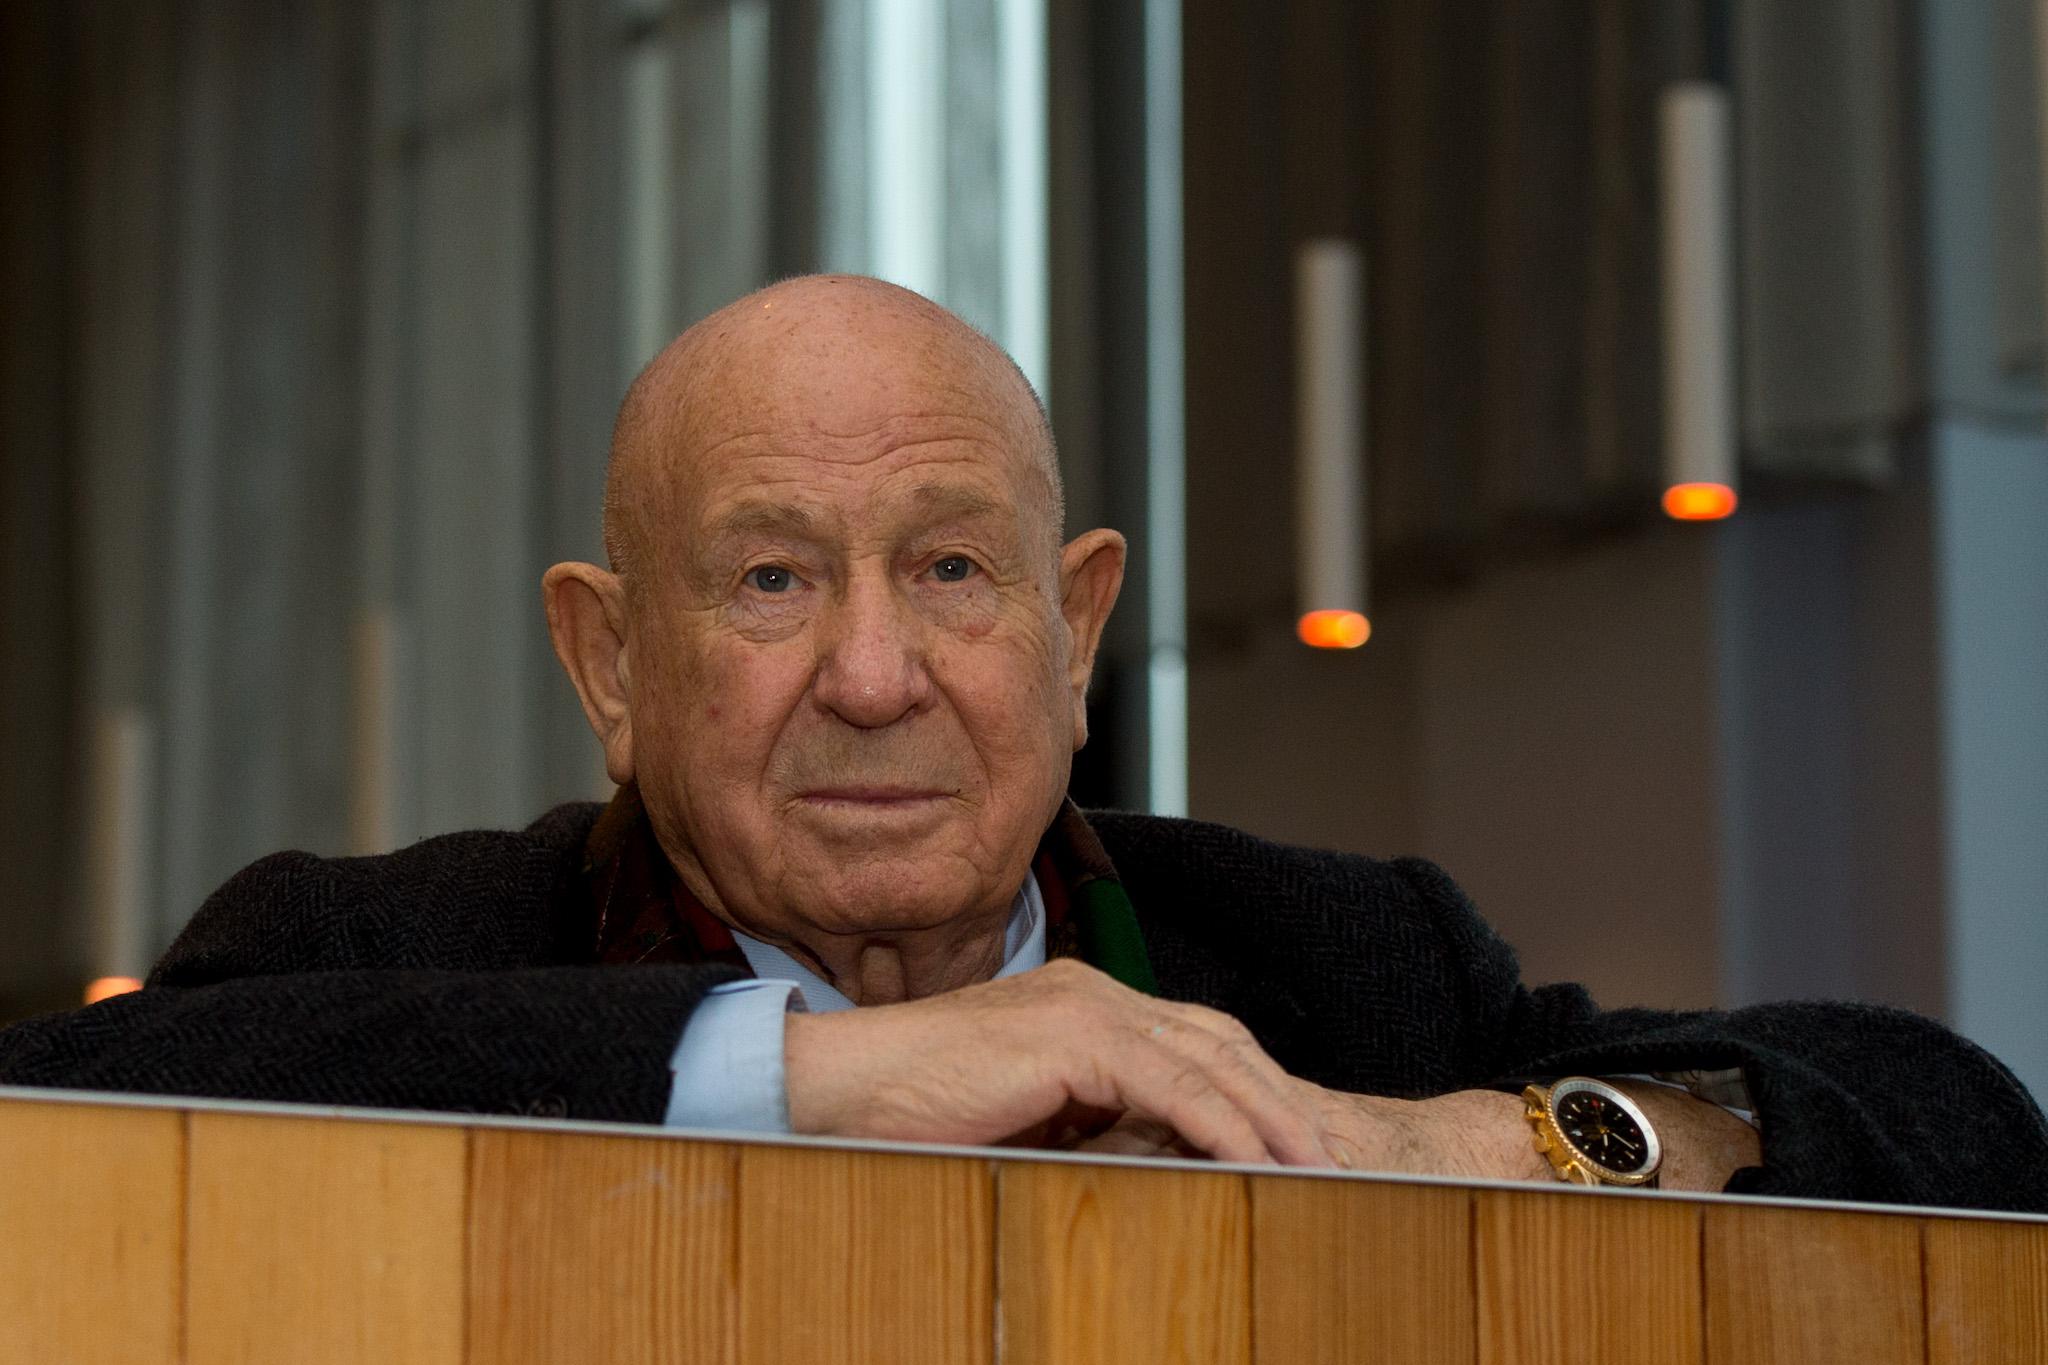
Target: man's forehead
[(793, 507), (800, 496), (856, 431), (840, 401), (813, 374)]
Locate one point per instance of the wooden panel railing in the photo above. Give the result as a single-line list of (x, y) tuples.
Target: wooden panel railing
[(152, 1232)]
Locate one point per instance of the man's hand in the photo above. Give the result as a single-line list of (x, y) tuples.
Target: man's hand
[(1470, 1134), (1049, 1057), (1480, 1134)]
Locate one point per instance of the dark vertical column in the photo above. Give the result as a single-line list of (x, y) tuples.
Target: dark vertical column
[(577, 140), (1246, 179), (39, 728), (795, 117), (124, 90), (1097, 143)]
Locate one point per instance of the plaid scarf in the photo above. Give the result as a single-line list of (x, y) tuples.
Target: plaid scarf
[(644, 913)]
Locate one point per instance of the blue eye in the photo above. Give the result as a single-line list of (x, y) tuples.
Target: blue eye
[(772, 578), (953, 568)]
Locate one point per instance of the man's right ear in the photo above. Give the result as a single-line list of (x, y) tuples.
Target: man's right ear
[(587, 621)]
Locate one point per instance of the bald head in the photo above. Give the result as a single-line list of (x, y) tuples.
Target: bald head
[(846, 352)]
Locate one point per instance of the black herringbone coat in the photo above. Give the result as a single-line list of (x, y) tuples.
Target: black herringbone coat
[(456, 975)]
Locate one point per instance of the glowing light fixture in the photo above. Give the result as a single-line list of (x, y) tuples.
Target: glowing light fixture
[(1333, 629), (1700, 437), (1699, 501), (1329, 419), (108, 986)]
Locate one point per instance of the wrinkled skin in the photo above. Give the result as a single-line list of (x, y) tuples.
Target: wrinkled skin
[(845, 657)]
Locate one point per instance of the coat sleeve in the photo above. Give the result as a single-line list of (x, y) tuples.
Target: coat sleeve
[(575, 1042), (1852, 1101), (423, 980)]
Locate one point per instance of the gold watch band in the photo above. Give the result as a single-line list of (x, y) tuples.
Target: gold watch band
[(1566, 1161)]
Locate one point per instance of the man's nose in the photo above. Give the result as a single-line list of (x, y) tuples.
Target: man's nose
[(871, 664)]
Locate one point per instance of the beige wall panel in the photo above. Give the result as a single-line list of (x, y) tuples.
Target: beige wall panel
[(1987, 1293), (1563, 732), (317, 1240), (1804, 1287), (1566, 1278), (91, 1219), (860, 1256), (1100, 1265), (617, 1249), (1344, 1271)]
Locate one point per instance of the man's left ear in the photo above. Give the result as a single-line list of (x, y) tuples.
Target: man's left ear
[(1091, 572)]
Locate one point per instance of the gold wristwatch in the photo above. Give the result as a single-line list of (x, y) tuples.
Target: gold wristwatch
[(1593, 1134)]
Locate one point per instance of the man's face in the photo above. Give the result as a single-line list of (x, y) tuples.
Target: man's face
[(850, 701)]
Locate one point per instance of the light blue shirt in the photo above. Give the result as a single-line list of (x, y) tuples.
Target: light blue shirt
[(728, 1065)]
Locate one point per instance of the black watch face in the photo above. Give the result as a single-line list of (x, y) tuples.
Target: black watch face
[(1601, 1129)]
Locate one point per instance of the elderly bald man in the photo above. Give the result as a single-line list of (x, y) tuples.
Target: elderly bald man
[(838, 666)]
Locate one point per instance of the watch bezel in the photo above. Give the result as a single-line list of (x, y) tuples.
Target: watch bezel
[(1606, 1174)]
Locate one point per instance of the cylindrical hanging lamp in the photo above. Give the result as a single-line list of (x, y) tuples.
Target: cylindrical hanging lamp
[(1696, 235), (121, 850), (1329, 420)]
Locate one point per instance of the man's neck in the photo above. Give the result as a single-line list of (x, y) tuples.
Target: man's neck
[(883, 974), (888, 969)]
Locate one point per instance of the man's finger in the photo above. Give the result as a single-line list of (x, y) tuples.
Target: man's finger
[(1291, 1129), (1135, 1137), (1156, 1083)]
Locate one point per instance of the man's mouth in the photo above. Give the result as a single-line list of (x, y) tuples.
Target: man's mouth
[(878, 797)]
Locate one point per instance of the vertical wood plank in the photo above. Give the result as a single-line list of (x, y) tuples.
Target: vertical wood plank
[(1987, 1292), (600, 1248), (1351, 1270), (91, 1232), (863, 1256), (1796, 1286), (1120, 1266), (1565, 1278), (321, 1240)]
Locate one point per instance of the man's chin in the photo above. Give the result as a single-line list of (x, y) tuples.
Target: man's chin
[(888, 893)]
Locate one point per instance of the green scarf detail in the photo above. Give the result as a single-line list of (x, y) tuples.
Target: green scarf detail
[(1107, 934)]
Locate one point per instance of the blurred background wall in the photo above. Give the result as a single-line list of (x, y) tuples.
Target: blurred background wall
[(315, 317)]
